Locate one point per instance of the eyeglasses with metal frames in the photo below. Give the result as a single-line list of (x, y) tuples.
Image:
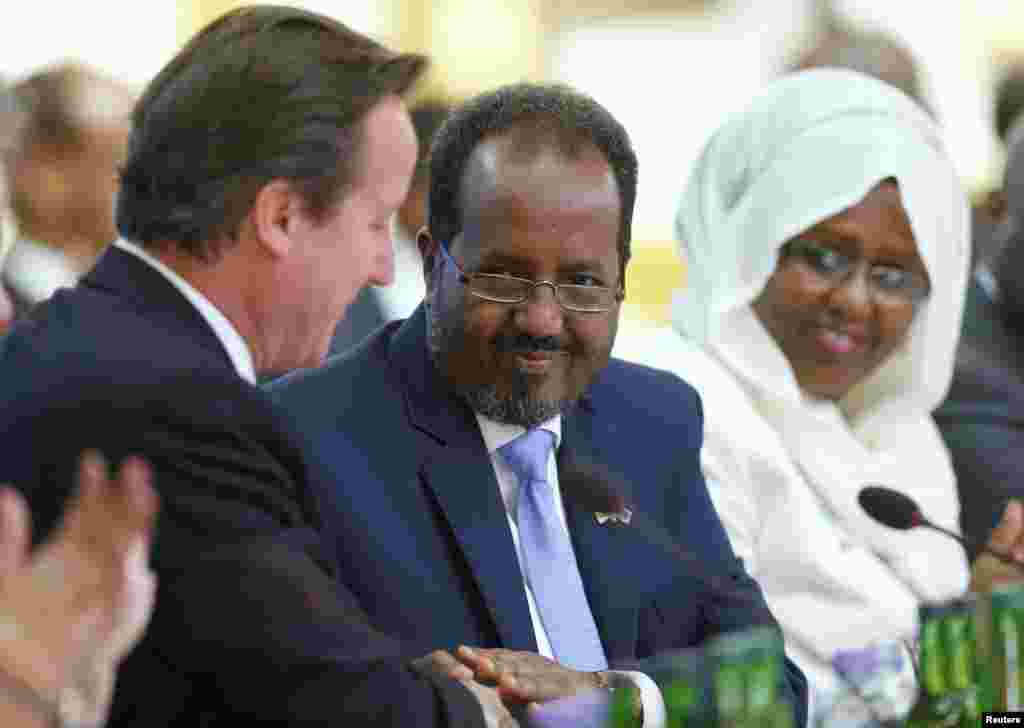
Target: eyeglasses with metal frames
[(888, 283), (500, 288)]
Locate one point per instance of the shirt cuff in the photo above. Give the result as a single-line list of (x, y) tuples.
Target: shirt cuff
[(650, 697)]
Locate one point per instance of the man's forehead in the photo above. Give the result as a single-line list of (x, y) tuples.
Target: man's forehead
[(501, 170)]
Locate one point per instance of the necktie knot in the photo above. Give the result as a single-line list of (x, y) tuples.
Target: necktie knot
[(527, 455)]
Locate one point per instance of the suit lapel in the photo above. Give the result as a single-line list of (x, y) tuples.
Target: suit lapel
[(607, 555), (458, 471), (463, 482)]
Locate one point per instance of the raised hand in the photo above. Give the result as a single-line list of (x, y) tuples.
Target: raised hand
[(1008, 539), (72, 609)]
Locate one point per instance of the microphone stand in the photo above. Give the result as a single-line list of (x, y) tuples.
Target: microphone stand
[(986, 549)]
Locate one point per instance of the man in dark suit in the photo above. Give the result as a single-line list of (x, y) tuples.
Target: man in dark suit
[(265, 162), (982, 419), (478, 532)]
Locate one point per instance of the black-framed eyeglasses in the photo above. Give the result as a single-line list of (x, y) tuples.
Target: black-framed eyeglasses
[(889, 284), (500, 288)]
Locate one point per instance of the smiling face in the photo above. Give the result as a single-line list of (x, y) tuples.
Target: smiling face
[(844, 294), (544, 216)]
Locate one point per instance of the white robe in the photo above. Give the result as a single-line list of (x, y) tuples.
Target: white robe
[(833, 579), (785, 469)]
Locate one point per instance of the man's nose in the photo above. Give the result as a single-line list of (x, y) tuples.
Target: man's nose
[(540, 314)]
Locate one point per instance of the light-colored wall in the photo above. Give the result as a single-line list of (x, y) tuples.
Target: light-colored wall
[(130, 39), (669, 69)]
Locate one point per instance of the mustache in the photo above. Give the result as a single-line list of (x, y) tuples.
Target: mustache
[(526, 344)]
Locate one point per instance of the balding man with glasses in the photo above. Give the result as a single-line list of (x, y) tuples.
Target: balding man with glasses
[(468, 530)]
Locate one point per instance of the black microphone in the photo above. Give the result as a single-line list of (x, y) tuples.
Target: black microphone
[(896, 510), (596, 489)]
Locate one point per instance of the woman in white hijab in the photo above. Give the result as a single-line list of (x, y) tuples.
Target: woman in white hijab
[(826, 241)]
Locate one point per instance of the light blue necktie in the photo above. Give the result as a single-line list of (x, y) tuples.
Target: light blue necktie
[(550, 564)]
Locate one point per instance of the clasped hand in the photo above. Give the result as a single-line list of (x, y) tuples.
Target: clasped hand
[(509, 680), (1008, 539)]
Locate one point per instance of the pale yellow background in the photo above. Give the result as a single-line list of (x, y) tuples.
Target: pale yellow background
[(669, 69)]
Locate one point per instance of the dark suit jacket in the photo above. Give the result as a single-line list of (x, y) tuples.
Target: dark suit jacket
[(249, 622), (364, 316), (982, 419), (428, 553)]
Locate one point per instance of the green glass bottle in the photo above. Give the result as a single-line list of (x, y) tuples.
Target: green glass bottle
[(683, 679), (746, 671), (622, 712), (1000, 644), (949, 693)]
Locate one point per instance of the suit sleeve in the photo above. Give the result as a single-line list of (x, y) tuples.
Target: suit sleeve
[(985, 440), (248, 622)]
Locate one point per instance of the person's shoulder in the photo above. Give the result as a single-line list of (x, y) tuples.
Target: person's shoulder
[(665, 351), (91, 326), (182, 421), (344, 377), (159, 395), (633, 381), (982, 388)]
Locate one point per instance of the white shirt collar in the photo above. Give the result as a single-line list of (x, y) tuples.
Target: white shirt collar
[(498, 434), (223, 329)]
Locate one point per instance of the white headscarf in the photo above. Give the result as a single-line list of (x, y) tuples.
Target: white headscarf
[(810, 146)]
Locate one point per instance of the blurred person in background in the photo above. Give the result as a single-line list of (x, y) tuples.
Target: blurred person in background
[(62, 173), (376, 305), (871, 52), (71, 609), (819, 323), (265, 163), (9, 120), (1009, 100), (982, 419), (991, 208)]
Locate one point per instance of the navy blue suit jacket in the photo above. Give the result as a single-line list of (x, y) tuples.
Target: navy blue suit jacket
[(427, 550), (982, 418), (249, 622), (363, 316)]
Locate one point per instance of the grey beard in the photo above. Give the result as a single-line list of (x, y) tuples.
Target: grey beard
[(519, 408)]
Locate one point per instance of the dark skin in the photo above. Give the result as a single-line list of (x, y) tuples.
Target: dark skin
[(540, 215), (835, 336), (795, 306)]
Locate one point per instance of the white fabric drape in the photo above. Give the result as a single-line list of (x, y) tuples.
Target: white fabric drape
[(785, 470)]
